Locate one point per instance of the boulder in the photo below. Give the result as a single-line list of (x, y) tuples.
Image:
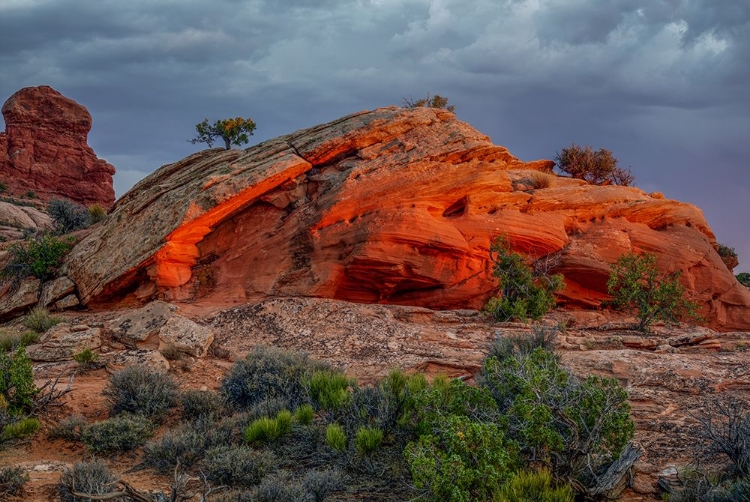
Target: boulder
[(62, 341), (186, 336), (394, 206), (140, 328), (44, 149), (17, 299), (55, 290)]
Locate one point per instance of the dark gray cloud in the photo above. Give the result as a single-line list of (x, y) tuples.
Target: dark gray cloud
[(662, 83)]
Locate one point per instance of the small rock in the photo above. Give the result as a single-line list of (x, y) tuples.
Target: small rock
[(186, 336), (68, 302)]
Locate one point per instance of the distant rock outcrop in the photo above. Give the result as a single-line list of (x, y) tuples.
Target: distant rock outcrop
[(44, 149), (392, 206)]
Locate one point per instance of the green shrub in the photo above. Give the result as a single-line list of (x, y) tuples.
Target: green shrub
[(264, 430), (597, 167), (17, 381), (96, 213), (268, 373), (509, 346), (40, 320), (12, 480), (462, 460), (336, 437), (117, 434), (86, 358), (39, 256), (304, 414), (70, 428), (533, 486), (238, 465), (141, 391), (451, 397), (3, 186), (368, 440), (637, 286), (523, 295), (564, 424), (92, 478), (329, 389), (199, 404), (67, 216), (12, 341), (19, 429), (744, 279)]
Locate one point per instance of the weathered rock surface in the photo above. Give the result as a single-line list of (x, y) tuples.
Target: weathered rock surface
[(63, 341), (391, 206), (156, 326), (16, 300), (55, 290), (44, 149), (14, 219)]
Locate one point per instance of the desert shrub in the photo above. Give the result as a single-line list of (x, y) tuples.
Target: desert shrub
[(266, 373), (96, 213), (572, 427), (436, 101), (505, 347), (199, 403), (725, 429), (637, 286), (732, 492), (319, 484), (19, 429), (69, 428), (117, 434), (744, 279), (40, 320), (265, 429), (238, 465), (523, 295), (368, 440), (728, 255), (328, 389), (141, 391), (68, 216), (336, 437), (538, 180), (92, 478), (597, 167), (12, 480), (304, 414), (533, 486), (185, 445), (452, 397), (17, 386), (12, 341), (39, 256), (234, 131), (461, 460), (86, 358), (279, 487)]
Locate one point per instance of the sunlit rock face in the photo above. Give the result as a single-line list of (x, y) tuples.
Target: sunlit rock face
[(44, 149), (391, 206)]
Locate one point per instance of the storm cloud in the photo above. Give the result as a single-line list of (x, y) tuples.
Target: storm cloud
[(661, 83)]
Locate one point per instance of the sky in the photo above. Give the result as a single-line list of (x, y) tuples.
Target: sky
[(663, 84)]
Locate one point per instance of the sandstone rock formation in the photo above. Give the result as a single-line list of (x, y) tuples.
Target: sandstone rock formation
[(392, 206), (44, 149)]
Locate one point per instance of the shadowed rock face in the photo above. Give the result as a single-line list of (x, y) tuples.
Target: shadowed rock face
[(44, 149), (390, 206)]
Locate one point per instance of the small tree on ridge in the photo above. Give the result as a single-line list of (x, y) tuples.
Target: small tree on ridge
[(596, 167), (236, 131)]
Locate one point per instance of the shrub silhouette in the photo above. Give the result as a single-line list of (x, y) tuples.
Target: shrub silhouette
[(596, 167)]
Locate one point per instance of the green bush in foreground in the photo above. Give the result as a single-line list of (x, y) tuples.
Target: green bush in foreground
[(336, 437), (19, 429), (637, 286), (264, 430), (17, 386)]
